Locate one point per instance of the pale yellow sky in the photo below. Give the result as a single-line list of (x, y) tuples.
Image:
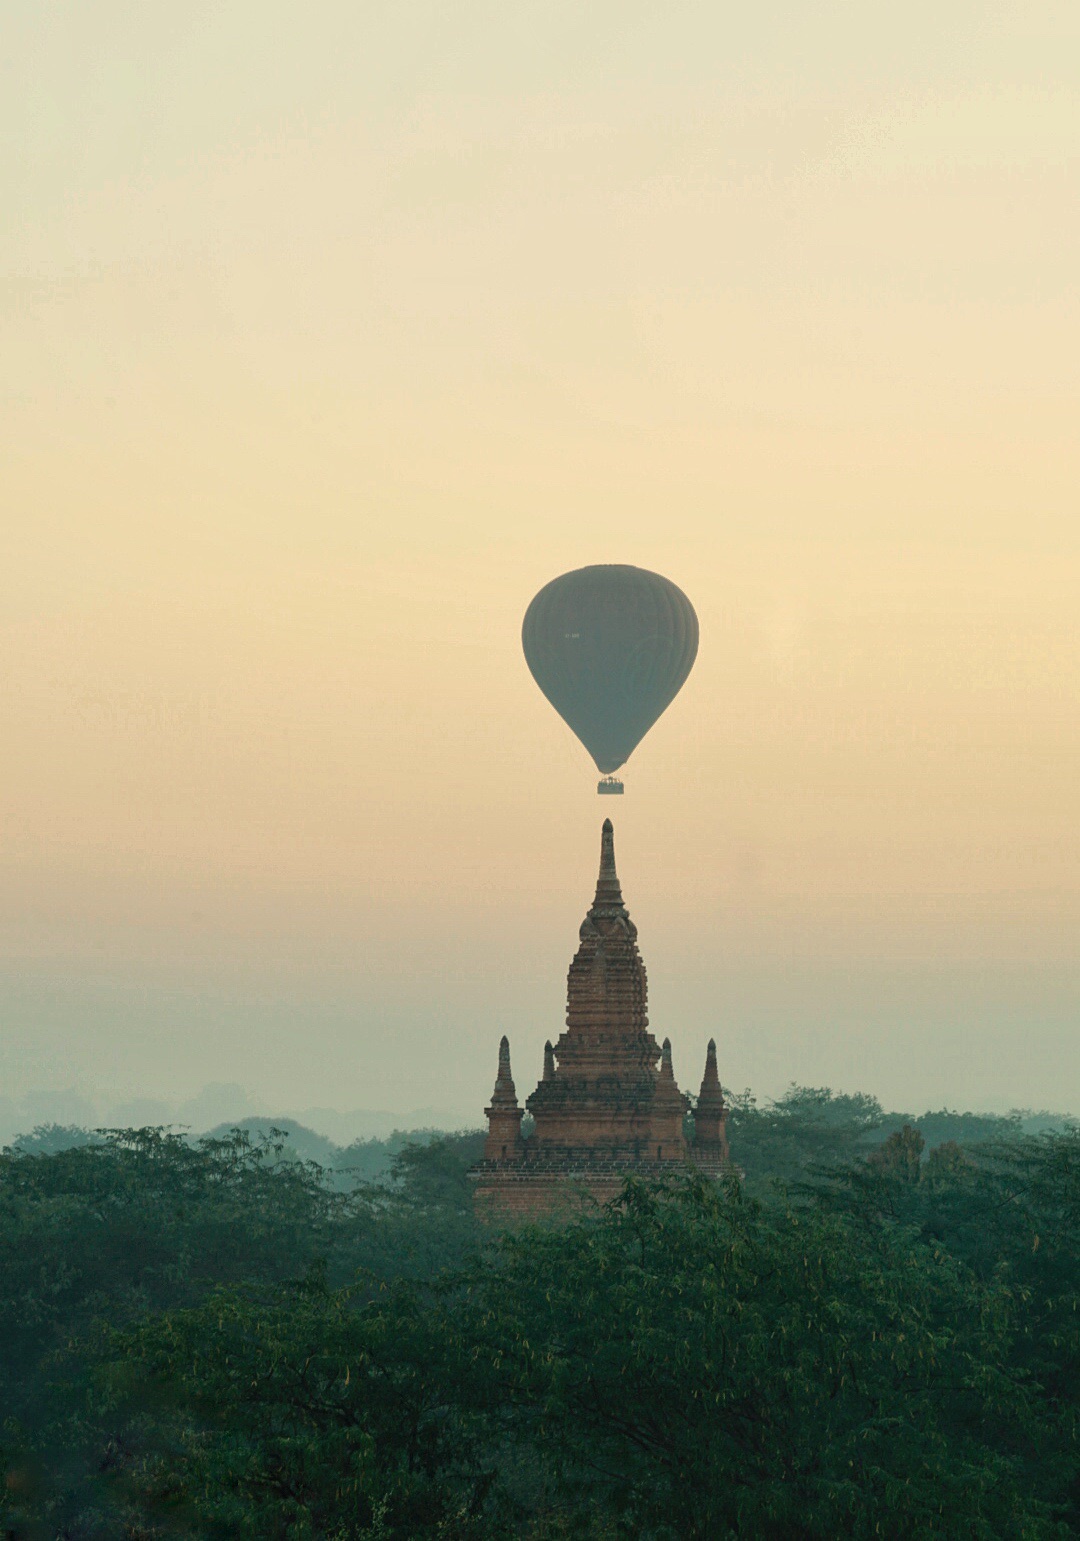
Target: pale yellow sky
[(332, 333)]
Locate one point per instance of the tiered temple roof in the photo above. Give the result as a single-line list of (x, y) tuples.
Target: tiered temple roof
[(607, 1104)]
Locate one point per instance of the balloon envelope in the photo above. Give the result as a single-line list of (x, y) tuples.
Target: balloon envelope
[(610, 647)]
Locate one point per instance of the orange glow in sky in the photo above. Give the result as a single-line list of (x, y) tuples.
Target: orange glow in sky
[(331, 334)]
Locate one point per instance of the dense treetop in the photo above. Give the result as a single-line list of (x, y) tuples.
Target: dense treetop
[(873, 1331)]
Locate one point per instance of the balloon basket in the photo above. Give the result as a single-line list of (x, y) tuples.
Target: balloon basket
[(609, 787)]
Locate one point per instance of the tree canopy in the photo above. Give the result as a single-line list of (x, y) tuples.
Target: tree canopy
[(876, 1337)]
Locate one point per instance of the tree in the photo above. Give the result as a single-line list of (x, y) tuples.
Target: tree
[(297, 1412), (810, 1127), (1008, 1212), (688, 1365)]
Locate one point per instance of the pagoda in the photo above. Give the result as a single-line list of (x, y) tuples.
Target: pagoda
[(607, 1105)]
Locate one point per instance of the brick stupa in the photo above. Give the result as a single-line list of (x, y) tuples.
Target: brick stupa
[(608, 1105)]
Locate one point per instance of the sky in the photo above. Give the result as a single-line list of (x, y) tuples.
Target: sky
[(331, 334)]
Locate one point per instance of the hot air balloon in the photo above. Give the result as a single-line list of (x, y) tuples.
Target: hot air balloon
[(611, 648)]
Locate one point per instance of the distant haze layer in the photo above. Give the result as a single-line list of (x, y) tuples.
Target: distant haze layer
[(330, 336)]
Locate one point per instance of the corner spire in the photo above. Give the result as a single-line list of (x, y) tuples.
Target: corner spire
[(710, 1116), (505, 1093), (666, 1071), (668, 1111), (503, 1116), (549, 1062)]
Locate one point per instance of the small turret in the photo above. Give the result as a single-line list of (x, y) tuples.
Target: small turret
[(549, 1062), (668, 1111), (710, 1116), (503, 1116)]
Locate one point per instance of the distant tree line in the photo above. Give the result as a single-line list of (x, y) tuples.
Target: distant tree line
[(872, 1331)]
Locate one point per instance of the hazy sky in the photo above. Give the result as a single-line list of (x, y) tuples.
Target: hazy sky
[(332, 332)]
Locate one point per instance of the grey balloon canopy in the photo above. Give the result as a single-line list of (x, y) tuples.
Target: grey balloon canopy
[(610, 647)]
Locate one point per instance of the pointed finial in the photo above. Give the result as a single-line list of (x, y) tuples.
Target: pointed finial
[(666, 1072), (608, 892), (607, 848), (711, 1096), (710, 1113), (549, 1062), (505, 1093)]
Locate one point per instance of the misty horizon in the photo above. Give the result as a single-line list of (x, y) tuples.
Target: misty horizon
[(312, 382)]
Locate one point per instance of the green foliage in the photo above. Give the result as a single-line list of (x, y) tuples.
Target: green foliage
[(872, 1335), (137, 1222), (715, 1368), (144, 1221), (961, 1128), (809, 1127), (51, 1139), (426, 1219), (687, 1366), (1009, 1213), (348, 1166), (812, 1129), (295, 1413), (286, 1139)]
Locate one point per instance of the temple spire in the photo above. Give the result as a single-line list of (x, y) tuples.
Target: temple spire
[(505, 1093), (607, 1102), (712, 1078), (503, 1115), (666, 1072), (668, 1110), (710, 1116), (608, 892)]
